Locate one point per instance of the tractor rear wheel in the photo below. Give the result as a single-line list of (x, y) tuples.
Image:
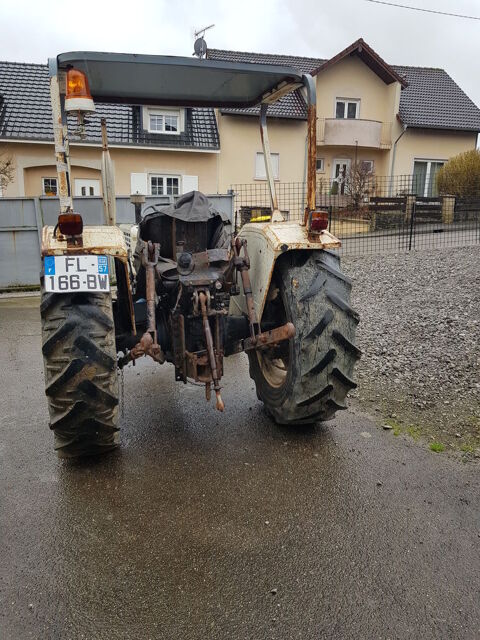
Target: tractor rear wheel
[(307, 379), (79, 354)]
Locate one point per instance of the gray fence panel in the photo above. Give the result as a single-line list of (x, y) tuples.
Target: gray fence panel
[(19, 244), (19, 258), (21, 222)]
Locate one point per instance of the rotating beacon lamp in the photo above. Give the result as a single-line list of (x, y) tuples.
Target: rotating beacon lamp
[(78, 97)]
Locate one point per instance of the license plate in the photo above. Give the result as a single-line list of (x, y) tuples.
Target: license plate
[(76, 273)]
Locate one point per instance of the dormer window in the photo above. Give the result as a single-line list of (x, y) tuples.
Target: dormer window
[(164, 121)]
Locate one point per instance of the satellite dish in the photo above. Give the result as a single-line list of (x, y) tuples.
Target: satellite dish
[(200, 47)]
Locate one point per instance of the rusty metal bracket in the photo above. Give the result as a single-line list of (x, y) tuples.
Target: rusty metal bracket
[(266, 339)]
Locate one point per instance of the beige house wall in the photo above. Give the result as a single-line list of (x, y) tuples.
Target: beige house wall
[(424, 144), (240, 141), (330, 154), (351, 78), (35, 161)]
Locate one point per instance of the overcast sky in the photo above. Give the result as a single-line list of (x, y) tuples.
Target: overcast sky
[(33, 30)]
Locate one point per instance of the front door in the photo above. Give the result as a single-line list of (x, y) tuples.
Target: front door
[(87, 187), (341, 167)]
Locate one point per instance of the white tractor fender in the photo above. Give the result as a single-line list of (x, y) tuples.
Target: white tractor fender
[(266, 241), (102, 240)]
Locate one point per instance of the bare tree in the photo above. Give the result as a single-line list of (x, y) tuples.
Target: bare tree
[(6, 169), (359, 183)]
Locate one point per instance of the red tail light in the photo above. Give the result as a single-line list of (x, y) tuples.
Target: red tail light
[(70, 224), (319, 221)]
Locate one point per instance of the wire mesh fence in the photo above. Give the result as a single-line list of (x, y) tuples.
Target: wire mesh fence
[(371, 213)]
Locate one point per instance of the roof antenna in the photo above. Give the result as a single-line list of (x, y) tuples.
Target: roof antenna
[(200, 46)]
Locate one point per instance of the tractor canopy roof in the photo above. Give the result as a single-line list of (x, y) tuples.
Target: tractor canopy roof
[(179, 81)]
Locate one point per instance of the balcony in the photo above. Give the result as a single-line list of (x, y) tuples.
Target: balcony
[(339, 132)]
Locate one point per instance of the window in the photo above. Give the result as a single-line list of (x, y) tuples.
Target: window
[(260, 171), (424, 177), (367, 166), (164, 185), (49, 186), (345, 108), (320, 165), (86, 187), (164, 121)]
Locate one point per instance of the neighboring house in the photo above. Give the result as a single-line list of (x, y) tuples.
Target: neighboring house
[(397, 120), (162, 151)]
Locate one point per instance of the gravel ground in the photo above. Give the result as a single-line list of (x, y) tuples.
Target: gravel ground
[(419, 331)]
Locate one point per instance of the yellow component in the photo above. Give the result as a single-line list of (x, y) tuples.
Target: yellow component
[(100, 240), (261, 219)]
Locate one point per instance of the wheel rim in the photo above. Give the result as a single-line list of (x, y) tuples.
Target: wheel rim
[(274, 363), (274, 367)]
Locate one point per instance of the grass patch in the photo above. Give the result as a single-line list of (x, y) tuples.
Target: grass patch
[(414, 432), (437, 447), (396, 426)]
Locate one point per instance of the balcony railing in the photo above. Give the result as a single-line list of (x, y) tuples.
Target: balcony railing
[(346, 132)]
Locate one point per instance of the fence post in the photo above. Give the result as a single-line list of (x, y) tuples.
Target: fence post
[(448, 209), (38, 221), (412, 222), (410, 200)]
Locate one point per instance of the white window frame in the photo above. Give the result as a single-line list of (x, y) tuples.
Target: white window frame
[(320, 169), (275, 166), (43, 185), (164, 113), (164, 177), (346, 102), (427, 175)]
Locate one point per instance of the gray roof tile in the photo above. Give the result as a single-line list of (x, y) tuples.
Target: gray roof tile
[(25, 114), (290, 106), (431, 99)]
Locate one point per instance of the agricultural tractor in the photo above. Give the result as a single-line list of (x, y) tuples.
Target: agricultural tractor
[(192, 291)]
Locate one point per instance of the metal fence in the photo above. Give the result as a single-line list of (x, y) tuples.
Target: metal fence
[(370, 213), (22, 219)]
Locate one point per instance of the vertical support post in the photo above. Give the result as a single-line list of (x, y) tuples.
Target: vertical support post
[(311, 145), (410, 200), (60, 137), (108, 180), (448, 209), (268, 160), (38, 221), (412, 221)]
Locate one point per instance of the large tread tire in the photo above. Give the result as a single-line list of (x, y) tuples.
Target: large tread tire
[(315, 296), (81, 384)]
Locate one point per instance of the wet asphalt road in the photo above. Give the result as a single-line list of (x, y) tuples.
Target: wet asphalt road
[(217, 526)]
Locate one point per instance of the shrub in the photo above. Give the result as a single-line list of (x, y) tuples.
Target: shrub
[(460, 176)]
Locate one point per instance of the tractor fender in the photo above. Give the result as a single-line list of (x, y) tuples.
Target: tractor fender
[(100, 240), (265, 243)]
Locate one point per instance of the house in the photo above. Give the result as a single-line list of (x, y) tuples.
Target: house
[(170, 150), (393, 120), (396, 120)]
